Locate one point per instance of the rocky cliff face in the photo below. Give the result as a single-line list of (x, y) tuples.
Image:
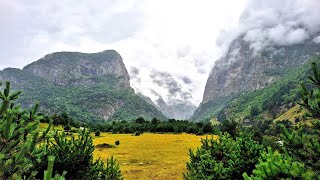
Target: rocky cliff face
[(89, 87), (243, 69), (78, 69)]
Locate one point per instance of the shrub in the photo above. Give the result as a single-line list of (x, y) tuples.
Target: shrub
[(113, 170), (231, 127), (19, 137), (302, 147), (273, 165), (117, 142), (75, 156), (192, 129), (207, 128), (97, 133), (224, 158), (67, 128)]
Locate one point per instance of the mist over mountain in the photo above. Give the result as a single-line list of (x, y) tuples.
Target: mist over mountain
[(272, 38)]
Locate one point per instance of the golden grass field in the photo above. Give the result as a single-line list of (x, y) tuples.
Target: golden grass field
[(149, 156)]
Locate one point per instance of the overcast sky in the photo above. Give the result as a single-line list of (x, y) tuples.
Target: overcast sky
[(168, 46)]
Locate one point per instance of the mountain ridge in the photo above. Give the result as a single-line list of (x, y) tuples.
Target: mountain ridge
[(243, 69), (89, 87)]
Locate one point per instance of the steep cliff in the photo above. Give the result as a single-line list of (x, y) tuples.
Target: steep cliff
[(81, 69), (89, 87), (243, 69)]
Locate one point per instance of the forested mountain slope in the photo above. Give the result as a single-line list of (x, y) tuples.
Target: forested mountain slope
[(89, 87), (243, 71)]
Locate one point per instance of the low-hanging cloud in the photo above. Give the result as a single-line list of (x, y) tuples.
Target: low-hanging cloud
[(281, 23), (181, 38)]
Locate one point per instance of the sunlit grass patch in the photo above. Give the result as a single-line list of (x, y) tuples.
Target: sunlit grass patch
[(149, 156)]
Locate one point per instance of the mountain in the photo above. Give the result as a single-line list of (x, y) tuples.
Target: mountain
[(244, 70), (180, 110), (89, 87)]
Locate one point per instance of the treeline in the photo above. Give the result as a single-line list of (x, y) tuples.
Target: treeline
[(157, 126)]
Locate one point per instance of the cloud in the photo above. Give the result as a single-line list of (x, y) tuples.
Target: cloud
[(274, 22), (186, 80), (177, 37), (317, 39)]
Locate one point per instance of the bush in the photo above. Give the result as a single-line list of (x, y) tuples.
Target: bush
[(113, 170), (207, 128), (19, 136), (192, 129), (302, 147), (117, 142), (67, 128), (224, 158), (97, 133), (75, 156), (273, 165), (231, 127)]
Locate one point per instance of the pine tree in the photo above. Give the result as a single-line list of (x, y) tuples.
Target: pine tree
[(224, 158), (273, 165), (302, 147), (19, 138), (75, 156), (311, 98)]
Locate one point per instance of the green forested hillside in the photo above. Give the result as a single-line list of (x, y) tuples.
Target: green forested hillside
[(266, 103), (91, 87)]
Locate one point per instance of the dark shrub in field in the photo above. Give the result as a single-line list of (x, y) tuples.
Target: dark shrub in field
[(117, 142)]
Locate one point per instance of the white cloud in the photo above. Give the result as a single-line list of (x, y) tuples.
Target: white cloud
[(173, 36), (317, 39), (275, 22)]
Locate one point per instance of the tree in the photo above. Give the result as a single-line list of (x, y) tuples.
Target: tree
[(224, 158), (140, 120), (231, 127), (207, 128), (75, 156), (311, 97), (273, 165), (97, 133), (302, 147), (19, 137)]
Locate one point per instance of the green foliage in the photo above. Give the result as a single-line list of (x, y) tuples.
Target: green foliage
[(311, 96), (19, 138), (272, 100), (83, 104), (113, 170), (231, 127), (273, 165), (48, 172), (141, 125), (302, 147), (224, 158), (75, 156), (97, 133), (67, 127)]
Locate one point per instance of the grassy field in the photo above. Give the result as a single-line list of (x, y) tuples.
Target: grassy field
[(149, 156)]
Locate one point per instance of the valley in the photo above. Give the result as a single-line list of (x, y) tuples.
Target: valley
[(161, 90)]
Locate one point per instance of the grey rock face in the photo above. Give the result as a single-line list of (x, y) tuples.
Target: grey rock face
[(78, 69), (241, 69), (90, 87)]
